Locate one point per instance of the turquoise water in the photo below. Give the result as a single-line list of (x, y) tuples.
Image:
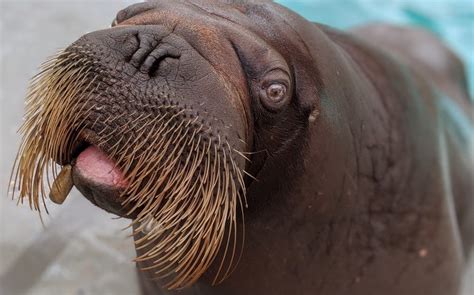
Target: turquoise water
[(452, 20)]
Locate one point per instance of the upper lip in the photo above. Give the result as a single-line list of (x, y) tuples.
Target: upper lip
[(77, 147)]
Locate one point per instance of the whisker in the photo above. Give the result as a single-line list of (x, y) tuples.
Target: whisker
[(183, 178)]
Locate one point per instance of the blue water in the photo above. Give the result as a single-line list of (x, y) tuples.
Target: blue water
[(452, 20)]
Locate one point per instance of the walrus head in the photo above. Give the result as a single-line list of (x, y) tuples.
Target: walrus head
[(158, 119)]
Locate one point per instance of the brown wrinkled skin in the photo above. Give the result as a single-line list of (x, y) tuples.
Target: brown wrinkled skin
[(375, 196)]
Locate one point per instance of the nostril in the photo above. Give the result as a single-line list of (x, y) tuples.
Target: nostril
[(156, 57), (130, 46), (144, 49), (152, 64), (148, 43)]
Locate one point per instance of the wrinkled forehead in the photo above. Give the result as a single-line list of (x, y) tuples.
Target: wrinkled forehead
[(182, 12), (218, 8), (212, 19), (208, 24)]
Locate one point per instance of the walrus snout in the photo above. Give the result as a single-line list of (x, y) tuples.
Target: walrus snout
[(166, 135), (144, 77), (148, 100)]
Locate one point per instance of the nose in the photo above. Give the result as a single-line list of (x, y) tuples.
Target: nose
[(142, 48)]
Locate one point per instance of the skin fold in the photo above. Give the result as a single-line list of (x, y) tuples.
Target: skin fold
[(359, 181)]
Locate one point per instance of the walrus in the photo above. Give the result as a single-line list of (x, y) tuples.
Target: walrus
[(256, 152)]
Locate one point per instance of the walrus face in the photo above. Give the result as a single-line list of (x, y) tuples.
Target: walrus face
[(151, 120)]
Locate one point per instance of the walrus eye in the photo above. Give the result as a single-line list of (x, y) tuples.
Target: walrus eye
[(276, 92), (274, 95)]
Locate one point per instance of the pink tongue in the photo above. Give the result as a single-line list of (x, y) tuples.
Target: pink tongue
[(96, 166)]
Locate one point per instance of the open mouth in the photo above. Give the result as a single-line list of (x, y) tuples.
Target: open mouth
[(94, 165), (96, 175), (100, 180)]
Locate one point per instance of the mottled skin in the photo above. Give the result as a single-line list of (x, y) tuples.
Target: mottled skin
[(364, 180)]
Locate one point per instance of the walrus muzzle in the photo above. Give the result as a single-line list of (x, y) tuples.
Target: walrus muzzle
[(146, 128)]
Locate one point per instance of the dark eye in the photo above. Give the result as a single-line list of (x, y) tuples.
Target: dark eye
[(276, 92), (274, 95)]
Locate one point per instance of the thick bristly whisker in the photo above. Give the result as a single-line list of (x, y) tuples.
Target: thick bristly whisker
[(183, 179)]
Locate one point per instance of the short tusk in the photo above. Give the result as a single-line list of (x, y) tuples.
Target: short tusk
[(62, 185)]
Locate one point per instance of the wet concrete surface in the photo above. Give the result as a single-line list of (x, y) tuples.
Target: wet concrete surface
[(81, 250)]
